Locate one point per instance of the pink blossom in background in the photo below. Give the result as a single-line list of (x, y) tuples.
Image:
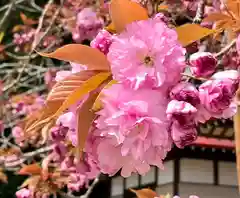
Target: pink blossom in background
[(88, 25), (203, 64), (22, 39), (24, 193), (18, 134), (147, 53)]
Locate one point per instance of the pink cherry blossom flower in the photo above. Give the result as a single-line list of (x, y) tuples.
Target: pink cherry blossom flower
[(133, 129), (24, 193), (183, 129), (185, 91), (217, 97), (203, 64), (227, 74), (147, 52)]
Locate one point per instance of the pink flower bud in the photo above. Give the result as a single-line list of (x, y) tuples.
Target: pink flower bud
[(217, 96), (186, 92), (202, 64), (183, 136), (102, 41), (183, 129), (181, 111)]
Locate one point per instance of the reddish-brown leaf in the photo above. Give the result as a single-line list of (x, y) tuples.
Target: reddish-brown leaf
[(214, 17), (84, 122), (124, 12), (3, 177), (26, 20), (145, 193), (31, 182), (197, 33), (18, 28), (111, 28), (97, 104), (32, 169), (82, 54), (67, 93)]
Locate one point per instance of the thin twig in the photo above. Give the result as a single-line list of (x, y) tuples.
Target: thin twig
[(6, 14), (226, 48), (200, 11)]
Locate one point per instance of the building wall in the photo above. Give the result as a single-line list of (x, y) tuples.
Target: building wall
[(196, 177)]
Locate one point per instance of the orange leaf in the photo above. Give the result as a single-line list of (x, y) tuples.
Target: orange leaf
[(197, 33), (27, 21), (111, 28), (124, 12), (216, 17), (84, 122), (63, 95), (31, 181), (233, 7), (88, 86), (162, 7), (54, 102), (145, 193), (32, 169), (82, 54), (3, 177), (97, 104)]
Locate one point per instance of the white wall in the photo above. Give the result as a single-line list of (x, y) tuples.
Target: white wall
[(192, 171)]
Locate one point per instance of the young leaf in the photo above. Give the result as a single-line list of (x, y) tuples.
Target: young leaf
[(31, 181), (145, 193), (216, 17), (3, 177), (32, 169), (85, 118), (88, 86), (97, 104), (27, 21), (82, 54), (63, 96), (124, 12), (197, 33), (162, 7), (111, 28)]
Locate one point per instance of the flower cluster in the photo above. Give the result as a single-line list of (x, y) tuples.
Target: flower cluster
[(152, 106), (87, 26)]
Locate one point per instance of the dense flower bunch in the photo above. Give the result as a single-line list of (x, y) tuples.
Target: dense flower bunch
[(152, 106)]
